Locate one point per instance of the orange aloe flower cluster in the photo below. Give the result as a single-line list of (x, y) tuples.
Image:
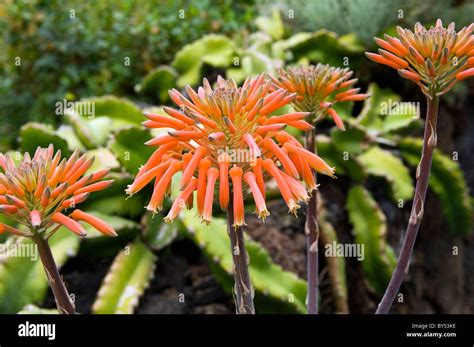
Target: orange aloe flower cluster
[(318, 88), (434, 58), (43, 191), (223, 140)]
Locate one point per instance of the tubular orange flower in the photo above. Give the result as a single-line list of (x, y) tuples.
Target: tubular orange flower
[(317, 89), (38, 194), (38, 191), (220, 136), (434, 58), (437, 58)]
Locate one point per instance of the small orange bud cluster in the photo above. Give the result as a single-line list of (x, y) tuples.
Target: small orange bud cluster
[(318, 88), (434, 58), (39, 192)]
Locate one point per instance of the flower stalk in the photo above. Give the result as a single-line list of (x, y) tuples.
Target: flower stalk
[(243, 289), (416, 215), (61, 295), (318, 88), (312, 235), (434, 58)]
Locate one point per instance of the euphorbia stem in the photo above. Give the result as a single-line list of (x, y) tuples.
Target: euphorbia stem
[(416, 215), (312, 235), (61, 295), (243, 290)]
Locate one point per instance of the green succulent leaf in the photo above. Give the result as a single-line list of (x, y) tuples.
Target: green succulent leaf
[(272, 26), (369, 228), (157, 82), (22, 279), (114, 198), (126, 281), (213, 50), (344, 162), (110, 113), (320, 46), (379, 162), (384, 112), (447, 181), (337, 273), (270, 281), (350, 140), (33, 135), (103, 159), (156, 233), (67, 133), (127, 145)]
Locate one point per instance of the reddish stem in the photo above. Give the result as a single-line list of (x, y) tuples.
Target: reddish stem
[(61, 295), (243, 286), (416, 215), (312, 235)]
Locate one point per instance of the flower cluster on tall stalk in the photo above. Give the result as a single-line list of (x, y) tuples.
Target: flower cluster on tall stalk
[(226, 144), (435, 59), (317, 89), (40, 194)]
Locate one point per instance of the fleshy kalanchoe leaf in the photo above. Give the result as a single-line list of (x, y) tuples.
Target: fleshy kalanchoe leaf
[(128, 277), (109, 113), (213, 50), (272, 26), (447, 181), (343, 161), (114, 200), (351, 140), (379, 162), (23, 281), (127, 145), (336, 265), (157, 82), (369, 228), (272, 284), (321, 46), (156, 233), (104, 159), (33, 135), (383, 112)]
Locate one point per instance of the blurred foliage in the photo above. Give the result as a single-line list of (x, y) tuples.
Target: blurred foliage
[(368, 18), (72, 49)]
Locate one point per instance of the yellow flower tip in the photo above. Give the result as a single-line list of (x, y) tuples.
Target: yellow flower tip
[(262, 214)]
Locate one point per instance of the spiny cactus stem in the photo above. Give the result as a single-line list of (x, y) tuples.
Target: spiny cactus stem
[(243, 289), (312, 235), (416, 215), (61, 295)]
